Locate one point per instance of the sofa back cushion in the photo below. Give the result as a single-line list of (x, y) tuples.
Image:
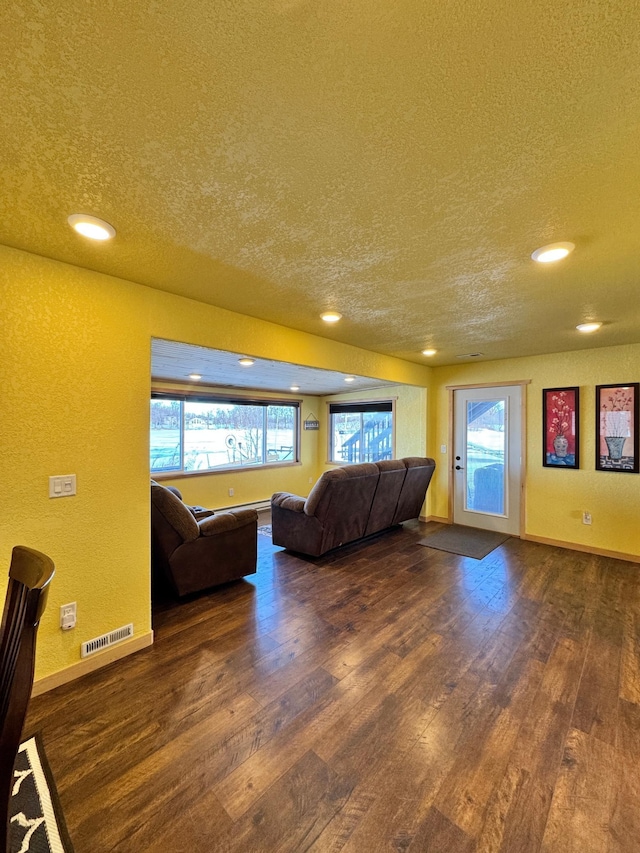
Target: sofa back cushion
[(174, 513), (318, 496), (341, 500), (385, 501), (414, 488)]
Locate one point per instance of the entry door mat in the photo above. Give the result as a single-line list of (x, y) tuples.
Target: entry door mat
[(36, 819), (466, 541)]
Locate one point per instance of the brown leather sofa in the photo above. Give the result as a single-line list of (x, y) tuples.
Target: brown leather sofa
[(193, 550), (350, 503)]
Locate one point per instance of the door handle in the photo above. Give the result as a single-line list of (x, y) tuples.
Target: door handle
[(459, 468)]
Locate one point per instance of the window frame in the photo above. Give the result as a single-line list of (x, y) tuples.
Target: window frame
[(183, 397), (365, 402)]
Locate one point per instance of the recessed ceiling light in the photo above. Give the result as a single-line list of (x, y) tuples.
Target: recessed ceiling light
[(195, 376), (552, 252), (429, 351), (349, 378), (588, 327), (331, 316), (91, 226), (246, 362), (295, 387)]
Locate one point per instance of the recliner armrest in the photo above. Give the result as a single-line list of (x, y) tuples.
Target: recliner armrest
[(288, 501), (199, 512), (223, 521)]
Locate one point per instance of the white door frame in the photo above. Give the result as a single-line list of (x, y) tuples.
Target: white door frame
[(523, 447)]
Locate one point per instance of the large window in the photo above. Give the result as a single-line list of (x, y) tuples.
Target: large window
[(191, 434), (361, 432)]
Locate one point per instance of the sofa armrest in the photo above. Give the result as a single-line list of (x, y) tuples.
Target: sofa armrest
[(224, 521), (288, 501)]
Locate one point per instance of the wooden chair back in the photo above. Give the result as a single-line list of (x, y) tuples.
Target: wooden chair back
[(30, 573)]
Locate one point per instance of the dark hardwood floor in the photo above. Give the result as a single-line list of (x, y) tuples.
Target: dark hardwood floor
[(389, 697)]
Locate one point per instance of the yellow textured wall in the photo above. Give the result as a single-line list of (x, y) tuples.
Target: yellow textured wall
[(411, 422), (556, 498), (411, 419), (75, 380), (74, 375)]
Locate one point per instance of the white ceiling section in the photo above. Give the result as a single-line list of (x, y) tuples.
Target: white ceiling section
[(172, 361)]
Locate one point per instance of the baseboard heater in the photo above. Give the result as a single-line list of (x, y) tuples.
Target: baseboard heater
[(258, 505)]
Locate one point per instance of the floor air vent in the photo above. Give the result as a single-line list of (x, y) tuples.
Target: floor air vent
[(106, 640)]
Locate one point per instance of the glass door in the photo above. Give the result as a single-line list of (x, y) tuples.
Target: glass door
[(487, 464)]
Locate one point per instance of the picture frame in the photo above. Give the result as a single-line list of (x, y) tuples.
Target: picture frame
[(561, 427), (617, 427)]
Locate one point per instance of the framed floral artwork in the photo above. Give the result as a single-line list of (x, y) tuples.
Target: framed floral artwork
[(617, 427), (561, 427)]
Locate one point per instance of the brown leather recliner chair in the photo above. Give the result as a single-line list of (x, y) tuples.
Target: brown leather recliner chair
[(193, 553)]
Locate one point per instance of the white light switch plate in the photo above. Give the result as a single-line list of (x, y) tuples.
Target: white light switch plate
[(62, 486)]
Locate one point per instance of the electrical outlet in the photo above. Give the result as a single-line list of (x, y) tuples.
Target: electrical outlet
[(68, 616), (443, 448), (230, 493), (586, 517)]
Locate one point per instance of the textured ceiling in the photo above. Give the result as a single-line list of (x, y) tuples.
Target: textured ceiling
[(396, 161)]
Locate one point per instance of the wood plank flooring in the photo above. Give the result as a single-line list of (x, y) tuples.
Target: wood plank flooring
[(389, 697)]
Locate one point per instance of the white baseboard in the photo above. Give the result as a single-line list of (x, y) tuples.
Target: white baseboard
[(95, 662), (585, 549), (558, 543)]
